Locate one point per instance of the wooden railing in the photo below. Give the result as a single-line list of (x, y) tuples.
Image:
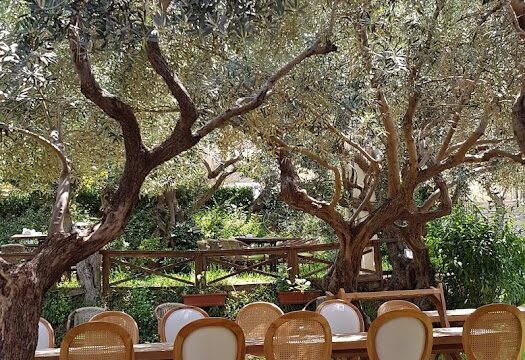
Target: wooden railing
[(138, 264), (236, 261)]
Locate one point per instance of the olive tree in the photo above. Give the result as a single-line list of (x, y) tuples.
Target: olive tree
[(27, 282)]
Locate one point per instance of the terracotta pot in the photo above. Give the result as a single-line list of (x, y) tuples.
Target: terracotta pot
[(297, 297), (204, 300)]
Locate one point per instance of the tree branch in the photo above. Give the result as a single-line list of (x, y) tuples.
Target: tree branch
[(258, 98), (324, 163), (188, 111), (392, 145), (110, 104), (212, 174), (299, 199), (355, 145)]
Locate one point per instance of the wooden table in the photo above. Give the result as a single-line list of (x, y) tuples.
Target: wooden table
[(457, 315), (445, 340)]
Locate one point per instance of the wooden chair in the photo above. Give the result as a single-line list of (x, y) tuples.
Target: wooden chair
[(175, 319), (400, 334), (255, 319), (494, 332), (97, 340), (396, 305), (162, 309), (46, 335), (342, 316), (303, 335), (122, 319), (210, 338), (82, 315)]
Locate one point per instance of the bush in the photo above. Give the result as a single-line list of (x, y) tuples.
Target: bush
[(18, 211), (219, 223), (479, 262)]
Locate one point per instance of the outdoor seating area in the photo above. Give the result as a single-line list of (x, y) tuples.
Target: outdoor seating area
[(336, 329), (262, 179)]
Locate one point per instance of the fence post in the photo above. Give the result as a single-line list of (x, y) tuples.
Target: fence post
[(200, 269), (106, 264), (293, 264)]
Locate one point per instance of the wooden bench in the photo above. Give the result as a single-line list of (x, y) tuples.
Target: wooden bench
[(435, 294)]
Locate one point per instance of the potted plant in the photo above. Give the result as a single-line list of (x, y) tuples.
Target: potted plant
[(296, 291), (204, 297)]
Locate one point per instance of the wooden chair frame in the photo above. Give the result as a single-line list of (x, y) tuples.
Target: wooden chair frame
[(135, 329), (394, 314), (50, 331), (258, 304), (294, 315), (172, 305), (71, 316), (94, 326), (391, 305), (209, 322), (485, 309), (340, 301), (162, 323)]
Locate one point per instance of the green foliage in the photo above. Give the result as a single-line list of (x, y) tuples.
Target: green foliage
[(139, 303), (185, 235), (283, 283), (240, 197), (480, 263), (55, 309), (18, 211), (219, 223)]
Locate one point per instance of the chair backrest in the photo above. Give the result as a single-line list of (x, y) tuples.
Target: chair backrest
[(82, 315), (162, 309), (494, 331), (122, 319), (342, 316), (46, 335), (255, 318), (202, 245), (210, 338), (96, 341), (300, 335), (396, 305), (176, 319), (400, 334), (214, 244)]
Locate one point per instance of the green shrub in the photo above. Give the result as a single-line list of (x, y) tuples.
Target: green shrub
[(18, 211), (218, 223), (479, 262)]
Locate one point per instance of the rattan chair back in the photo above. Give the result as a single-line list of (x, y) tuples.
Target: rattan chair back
[(46, 335), (97, 340), (162, 309), (303, 335), (255, 319), (342, 316), (396, 305), (494, 332), (122, 319), (82, 315), (400, 334), (210, 338)]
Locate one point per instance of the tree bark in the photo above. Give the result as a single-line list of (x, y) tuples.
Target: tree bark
[(88, 272), (20, 297)]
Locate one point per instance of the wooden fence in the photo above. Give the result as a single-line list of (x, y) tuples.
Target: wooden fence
[(259, 260)]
